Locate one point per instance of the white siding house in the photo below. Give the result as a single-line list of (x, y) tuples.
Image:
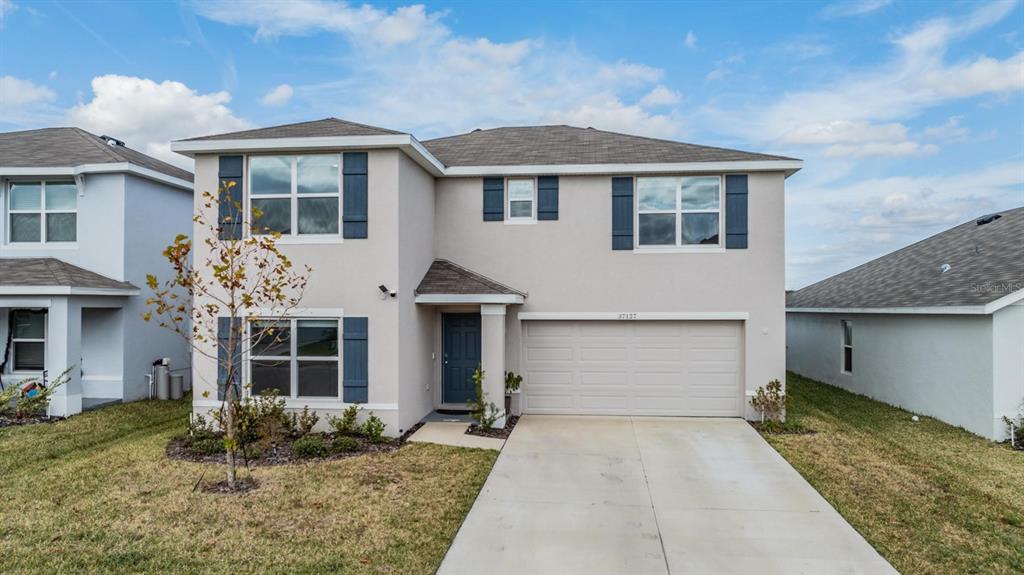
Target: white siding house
[(84, 219), (936, 328)]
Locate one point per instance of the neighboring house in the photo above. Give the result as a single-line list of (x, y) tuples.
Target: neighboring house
[(618, 274), (936, 327), (84, 220)]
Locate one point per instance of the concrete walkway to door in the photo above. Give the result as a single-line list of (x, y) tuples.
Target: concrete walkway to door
[(633, 495)]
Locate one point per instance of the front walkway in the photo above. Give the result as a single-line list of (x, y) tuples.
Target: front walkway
[(650, 495)]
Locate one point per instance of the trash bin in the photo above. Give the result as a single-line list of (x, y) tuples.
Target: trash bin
[(177, 386), (162, 376)]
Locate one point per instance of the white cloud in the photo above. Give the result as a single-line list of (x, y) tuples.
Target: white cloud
[(147, 115), (847, 8), (25, 103), (950, 130), (691, 40), (917, 78), (724, 67), (660, 96), (883, 149), (278, 96), (52, 75), (803, 47), (857, 139), (465, 82)]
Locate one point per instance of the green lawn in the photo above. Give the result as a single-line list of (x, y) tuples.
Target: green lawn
[(95, 494), (930, 497)]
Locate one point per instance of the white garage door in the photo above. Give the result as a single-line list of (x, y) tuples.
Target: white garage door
[(633, 368)]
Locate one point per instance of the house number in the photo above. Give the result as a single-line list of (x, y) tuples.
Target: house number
[(627, 316)]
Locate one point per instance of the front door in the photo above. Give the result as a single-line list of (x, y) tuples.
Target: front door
[(461, 356)]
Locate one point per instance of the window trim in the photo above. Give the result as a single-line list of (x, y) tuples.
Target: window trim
[(293, 358), (532, 218), (16, 340), (41, 212), (843, 323), (294, 236), (679, 247)]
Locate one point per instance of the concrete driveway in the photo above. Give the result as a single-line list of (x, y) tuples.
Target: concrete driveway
[(636, 495)]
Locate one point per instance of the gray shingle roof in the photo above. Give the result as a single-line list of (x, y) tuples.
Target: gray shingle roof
[(547, 145), (986, 262), (53, 272), (445, 277), (328, 127), (70, 147)]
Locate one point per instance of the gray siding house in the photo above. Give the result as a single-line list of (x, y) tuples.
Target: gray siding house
[(936, 327), (618, 274), (84, 220)]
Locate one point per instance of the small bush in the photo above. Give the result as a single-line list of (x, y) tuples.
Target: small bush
[(1015, 429), (199, 428), (483, 412), (769, 400), (207, 446), (309, 446), (304, 422), (347, 423), (344, 444), (512, 382), (373, 428)]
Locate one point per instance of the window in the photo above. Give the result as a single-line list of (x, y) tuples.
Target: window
[(28, 340), (296, 357), (678, 211), (296, 195), (42, 212), (522, 196), (847, 346)]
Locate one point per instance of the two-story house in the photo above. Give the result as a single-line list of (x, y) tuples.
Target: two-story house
[(84, 219), (618, 274)]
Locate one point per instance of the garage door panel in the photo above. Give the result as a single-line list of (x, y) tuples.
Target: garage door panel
[(632, 367)]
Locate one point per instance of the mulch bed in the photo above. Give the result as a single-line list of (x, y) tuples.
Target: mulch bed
[(495, 432), (281, 454), (11, 422)]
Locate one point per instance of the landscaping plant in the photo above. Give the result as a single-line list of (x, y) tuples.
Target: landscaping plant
[(769, 400), (226, 282), (304, 422), (1015, 429), (21, 404), (347, 423), (308, 446), (373, 428), (344, 444), (484, 413)]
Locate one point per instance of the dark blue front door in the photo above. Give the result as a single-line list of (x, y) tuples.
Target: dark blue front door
[(461, 356)]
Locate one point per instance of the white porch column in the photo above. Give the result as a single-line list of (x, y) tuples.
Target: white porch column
[(492, 355), (63, 350)]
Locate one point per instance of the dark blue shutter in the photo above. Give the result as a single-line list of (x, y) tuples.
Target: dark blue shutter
[(547, 198), (355, 218), (736, 211), (622, 213), (494, 199), (356, 359), (229, 199), (223, 333)]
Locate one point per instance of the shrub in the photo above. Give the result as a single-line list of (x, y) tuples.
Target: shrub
[(769, 400), (199, 428), (373, 428), (344, 444), (484, 413), (512, 382), (207, 446), (261, 420), (1015, 429), (309, 446), (305, 421), (346, 424), (35, 401)]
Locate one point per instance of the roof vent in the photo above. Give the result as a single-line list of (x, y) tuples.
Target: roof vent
[(945, 268), (477, 130), (112, 141), (988, 219)]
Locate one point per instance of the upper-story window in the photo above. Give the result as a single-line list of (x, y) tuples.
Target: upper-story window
[(679, 211), (42, 212), (522, 199), (296, 195)]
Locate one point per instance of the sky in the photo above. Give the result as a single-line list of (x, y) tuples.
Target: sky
[(909, 116)]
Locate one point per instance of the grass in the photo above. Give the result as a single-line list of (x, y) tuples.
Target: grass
[(95, 494), (930, 497)]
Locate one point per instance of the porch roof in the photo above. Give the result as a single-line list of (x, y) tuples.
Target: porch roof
[(30, 276), (447, 282)]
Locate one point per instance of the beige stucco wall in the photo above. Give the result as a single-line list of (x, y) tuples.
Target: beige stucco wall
[(1007, 364), (568, 265)]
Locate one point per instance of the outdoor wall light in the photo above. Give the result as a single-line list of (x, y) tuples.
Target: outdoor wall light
[(385, 292)]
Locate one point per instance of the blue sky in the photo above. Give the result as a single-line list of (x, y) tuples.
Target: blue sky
[(909, 115)]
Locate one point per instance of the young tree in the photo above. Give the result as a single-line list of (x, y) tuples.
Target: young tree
[(236, 279)]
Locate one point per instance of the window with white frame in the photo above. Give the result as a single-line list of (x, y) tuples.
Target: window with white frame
[(295, 357), (28, 340), (847, 346), (678, 211), (522, 199), (42, 212), (295, 195)]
